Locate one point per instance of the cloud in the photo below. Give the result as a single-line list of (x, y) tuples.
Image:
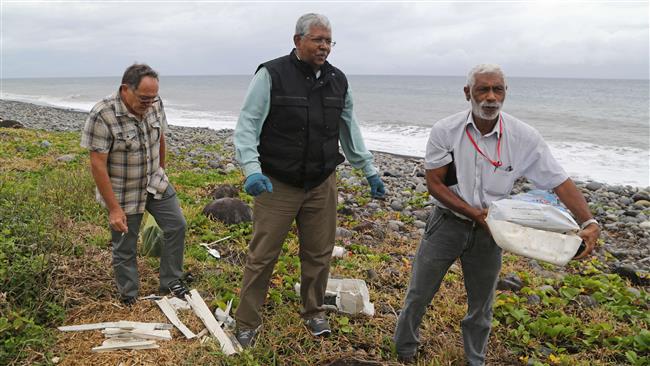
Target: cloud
[(557, 39)]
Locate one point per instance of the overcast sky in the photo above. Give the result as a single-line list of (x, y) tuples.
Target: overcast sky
[(533, 38)]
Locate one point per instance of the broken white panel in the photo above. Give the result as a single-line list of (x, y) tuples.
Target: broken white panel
[(228, 346), (164, 335), (120, 324), (352, 295), (170, 313), (179, 304), (112, 345)]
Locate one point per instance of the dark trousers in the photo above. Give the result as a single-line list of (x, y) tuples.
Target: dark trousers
[(169, 217), (273, 213), (448, 237)]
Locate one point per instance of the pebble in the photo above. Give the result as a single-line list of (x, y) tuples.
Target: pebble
[(66, 158)]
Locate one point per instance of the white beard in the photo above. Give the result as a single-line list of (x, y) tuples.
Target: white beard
[(477, 108)]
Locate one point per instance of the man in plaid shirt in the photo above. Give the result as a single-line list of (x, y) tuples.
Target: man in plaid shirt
[(125, 135)]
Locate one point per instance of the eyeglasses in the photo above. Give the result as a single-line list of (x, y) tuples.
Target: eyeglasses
[(322, 41), (144, 99)]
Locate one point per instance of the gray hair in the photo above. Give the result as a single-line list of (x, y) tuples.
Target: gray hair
[(134, 74), (484, 69), (305, 22)]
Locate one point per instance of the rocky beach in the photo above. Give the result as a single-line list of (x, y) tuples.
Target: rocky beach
[(623, 211)]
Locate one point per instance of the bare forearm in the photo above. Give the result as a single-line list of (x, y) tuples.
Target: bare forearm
[(573, 200), (448, 198)]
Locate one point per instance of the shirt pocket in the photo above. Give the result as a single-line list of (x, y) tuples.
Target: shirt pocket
[(127, 140), (154, 131), (499, 182)]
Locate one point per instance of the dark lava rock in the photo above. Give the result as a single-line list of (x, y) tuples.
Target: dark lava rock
[(224, 190), (7, 123), (631, 273), (510, 282), (229, 211), (641, 196)]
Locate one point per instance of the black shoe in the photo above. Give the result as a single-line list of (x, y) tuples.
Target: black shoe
[(128, 300), (246, 337), (318, 326), (178, 289), (187, 278), (406, 359)]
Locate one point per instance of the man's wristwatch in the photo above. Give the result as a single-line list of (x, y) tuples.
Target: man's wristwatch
[(587, 223)]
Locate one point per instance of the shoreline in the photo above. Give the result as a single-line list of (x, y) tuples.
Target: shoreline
[(623, 211)]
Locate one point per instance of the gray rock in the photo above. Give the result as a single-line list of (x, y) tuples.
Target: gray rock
[(645, 225), (422, 215), (224, 190), (229, 211), (420, 188), (46, 144), (395, 225), (372, 275), (594, 186), (66, 158), (420, 224), (546, 289), (634, 292), (214, 164), (587, 301), (533, 299), (641, 195), (343, 233), (397, 205), (230, 167)]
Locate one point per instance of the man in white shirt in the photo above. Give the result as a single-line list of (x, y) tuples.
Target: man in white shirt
[(473, 158)]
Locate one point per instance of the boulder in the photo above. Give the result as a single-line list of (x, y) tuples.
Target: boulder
[(229, 211), (224, 190), (8, 123)]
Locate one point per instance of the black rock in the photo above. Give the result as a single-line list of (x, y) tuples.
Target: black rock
[(510, 282), (7, 123), (641, 196), (229, 211), (224, 190), (631, 273)]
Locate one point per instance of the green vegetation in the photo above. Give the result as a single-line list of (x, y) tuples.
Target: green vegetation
[(55, 269)]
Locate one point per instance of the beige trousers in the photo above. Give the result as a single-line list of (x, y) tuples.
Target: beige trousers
[(273, 213)]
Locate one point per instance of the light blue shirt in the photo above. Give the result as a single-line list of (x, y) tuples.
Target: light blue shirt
[(257, 105)]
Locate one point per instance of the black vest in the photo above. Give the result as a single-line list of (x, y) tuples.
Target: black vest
[(299, 143)]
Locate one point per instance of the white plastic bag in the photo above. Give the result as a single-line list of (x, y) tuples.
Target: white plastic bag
[(534, 230)]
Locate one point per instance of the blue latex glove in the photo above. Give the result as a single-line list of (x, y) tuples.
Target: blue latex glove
[(376, 186), (257, 183)]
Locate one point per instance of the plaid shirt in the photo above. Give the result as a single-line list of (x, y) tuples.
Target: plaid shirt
[(133, 149)]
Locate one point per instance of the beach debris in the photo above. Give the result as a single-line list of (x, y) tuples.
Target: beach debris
[(347, 295), (213, 252), (339, 252), (229, 211), (151, 297), (124, 324), (170, 313), (223, 317), (229, 344), (125, 334)]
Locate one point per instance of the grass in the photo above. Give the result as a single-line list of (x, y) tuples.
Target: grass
[(55, 269)]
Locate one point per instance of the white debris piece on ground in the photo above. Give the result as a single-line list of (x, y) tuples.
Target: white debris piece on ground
[(170, 313), (223, 317), (179, 304), (229, 344), (126, 334), (351, 296), (339, 252)]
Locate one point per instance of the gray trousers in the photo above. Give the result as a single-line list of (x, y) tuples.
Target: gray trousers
[(273, 213), (447, 238), (169, 217)]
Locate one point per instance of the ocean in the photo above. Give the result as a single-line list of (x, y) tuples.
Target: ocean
[(597, 129)]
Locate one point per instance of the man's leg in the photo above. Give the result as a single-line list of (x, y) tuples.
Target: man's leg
[(316, 230), (168, 215), (441, 244), (273, 214), (125, 266), (481, 266)]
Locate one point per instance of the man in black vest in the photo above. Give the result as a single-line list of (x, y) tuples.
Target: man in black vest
[(297, 109)]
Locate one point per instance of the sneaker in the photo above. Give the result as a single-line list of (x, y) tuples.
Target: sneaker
[(128, 300), (178, 289), (246, 337), (318, 326)]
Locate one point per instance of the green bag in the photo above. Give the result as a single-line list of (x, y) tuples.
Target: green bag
[(152, 238)]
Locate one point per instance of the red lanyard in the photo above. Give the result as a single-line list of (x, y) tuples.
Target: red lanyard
[(497, 163)]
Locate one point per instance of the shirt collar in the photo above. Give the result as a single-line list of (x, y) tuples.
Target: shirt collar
[(495, 129)]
